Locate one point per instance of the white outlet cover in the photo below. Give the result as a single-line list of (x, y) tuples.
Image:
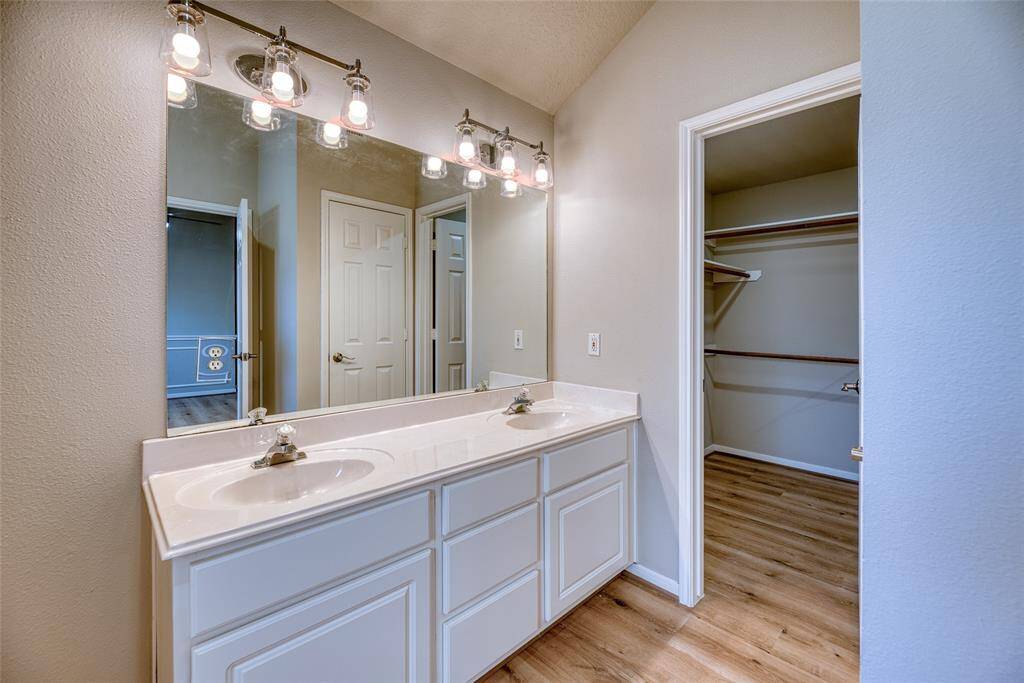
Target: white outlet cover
[(517, 339), (594, 344)]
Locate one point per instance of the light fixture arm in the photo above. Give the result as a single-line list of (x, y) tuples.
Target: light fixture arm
[(504, 133), (270, 35)]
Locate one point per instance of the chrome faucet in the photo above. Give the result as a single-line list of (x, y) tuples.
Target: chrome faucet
[(282, 451), (520, 404)]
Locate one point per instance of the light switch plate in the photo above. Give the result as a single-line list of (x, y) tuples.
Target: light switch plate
[(594, 344), (517, 339)]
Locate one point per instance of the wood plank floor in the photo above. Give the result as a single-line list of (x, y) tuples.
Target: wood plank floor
[(780, 598), (200, 410)]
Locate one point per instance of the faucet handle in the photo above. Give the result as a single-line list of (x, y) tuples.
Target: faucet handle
[(524, 393), (257, 415), (285, 433)]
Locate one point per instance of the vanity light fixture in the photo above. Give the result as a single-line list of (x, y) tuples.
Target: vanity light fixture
[(260, 115), (501, 159), (466, 150), (357, 111), (542, 176), (184, 47), (510, 188), (474, 179), (332, 135), (433, 167), (181, 92), (281, 81), (507, 163)]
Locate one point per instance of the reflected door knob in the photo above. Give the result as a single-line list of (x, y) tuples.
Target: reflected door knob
[(244, 356), (852, 386), (339, 357)]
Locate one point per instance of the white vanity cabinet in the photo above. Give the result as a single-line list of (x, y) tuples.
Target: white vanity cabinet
[(441, 582)]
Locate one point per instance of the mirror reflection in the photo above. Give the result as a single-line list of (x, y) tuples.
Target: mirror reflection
[(310, 272)]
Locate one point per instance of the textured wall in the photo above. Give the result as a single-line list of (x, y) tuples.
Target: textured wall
[(943, 231), (84, 256), (617, 202), (83, 271)]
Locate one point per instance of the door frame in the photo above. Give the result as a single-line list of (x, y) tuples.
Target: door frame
[(425, 286), (243, 373), (821, 89), (326, 197)]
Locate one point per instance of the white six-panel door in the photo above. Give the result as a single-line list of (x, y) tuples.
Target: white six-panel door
[(367, 306), (450, 300)]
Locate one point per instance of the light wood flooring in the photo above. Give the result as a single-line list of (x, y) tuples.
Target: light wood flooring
[(200, 410), (780, 599)]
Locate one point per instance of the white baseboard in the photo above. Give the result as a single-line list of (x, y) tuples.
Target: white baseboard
[(709, 450), (654, 578), (795, 464)]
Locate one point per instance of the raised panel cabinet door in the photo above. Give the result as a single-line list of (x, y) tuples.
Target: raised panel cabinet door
[(586, 538), (366, 304), (375, 628)]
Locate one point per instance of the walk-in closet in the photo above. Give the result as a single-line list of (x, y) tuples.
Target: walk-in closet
[(781, 377)]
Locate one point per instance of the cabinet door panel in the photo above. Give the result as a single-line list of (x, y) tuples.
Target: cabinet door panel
[(375, 628), (587, 537), (580, 460)]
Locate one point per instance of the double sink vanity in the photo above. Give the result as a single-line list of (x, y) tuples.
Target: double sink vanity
[(425, 540)]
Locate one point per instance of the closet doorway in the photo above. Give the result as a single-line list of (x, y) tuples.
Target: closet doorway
[(770, 326)]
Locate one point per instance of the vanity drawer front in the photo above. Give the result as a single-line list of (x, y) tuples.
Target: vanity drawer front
[(483, 558), (490, 630), (471, 500), (580, 460), (235, 584), (375, 628)]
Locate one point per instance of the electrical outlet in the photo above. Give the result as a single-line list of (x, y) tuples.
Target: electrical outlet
[(517, 339), (594, 344)]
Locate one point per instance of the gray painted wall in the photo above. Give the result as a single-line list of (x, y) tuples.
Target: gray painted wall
[(617, 203), (943, 231), (83, 248), (806, 303)]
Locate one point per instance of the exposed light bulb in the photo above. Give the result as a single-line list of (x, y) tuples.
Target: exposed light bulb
[(467, 150), (185, 50), (475, 175), (358, 112), (541, 175), (282, 85), (331, 133), (509, 188), (508, 162), (261, 112), (177, 88), (474, 179), (434, 164)]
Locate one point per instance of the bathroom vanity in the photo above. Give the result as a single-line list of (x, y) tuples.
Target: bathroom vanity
[(431, 542)]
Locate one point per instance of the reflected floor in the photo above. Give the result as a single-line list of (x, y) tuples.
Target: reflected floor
[(199, 410)]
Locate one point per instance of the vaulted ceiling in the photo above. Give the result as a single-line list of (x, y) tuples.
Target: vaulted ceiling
[(538, 51)]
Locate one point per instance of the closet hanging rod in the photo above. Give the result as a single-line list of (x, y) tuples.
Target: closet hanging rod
[(784, 226), (784, 356)]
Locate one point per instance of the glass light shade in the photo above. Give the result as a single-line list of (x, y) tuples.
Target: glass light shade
[(506, 161), (510, 188), (282, 80), (474, 179), (184, 47), (466, 149), (542, 176), (181, 92), (260, 115), (433, 167), (332, 135), (357, 110)]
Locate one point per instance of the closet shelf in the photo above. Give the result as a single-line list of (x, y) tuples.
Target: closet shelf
[(826, 221), (723, 272), (783, 356)]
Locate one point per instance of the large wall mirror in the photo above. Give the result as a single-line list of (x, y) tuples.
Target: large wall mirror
[(305, 278)]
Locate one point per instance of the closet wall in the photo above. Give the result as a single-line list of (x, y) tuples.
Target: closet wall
[(804, 303)]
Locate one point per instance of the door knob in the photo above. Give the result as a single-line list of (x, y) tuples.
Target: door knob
[(339, 357), (857, 453), (244, 356), (852, 386)]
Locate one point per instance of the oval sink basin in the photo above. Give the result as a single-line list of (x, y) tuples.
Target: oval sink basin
[(322, 472), (290, 481), (554, 419)]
